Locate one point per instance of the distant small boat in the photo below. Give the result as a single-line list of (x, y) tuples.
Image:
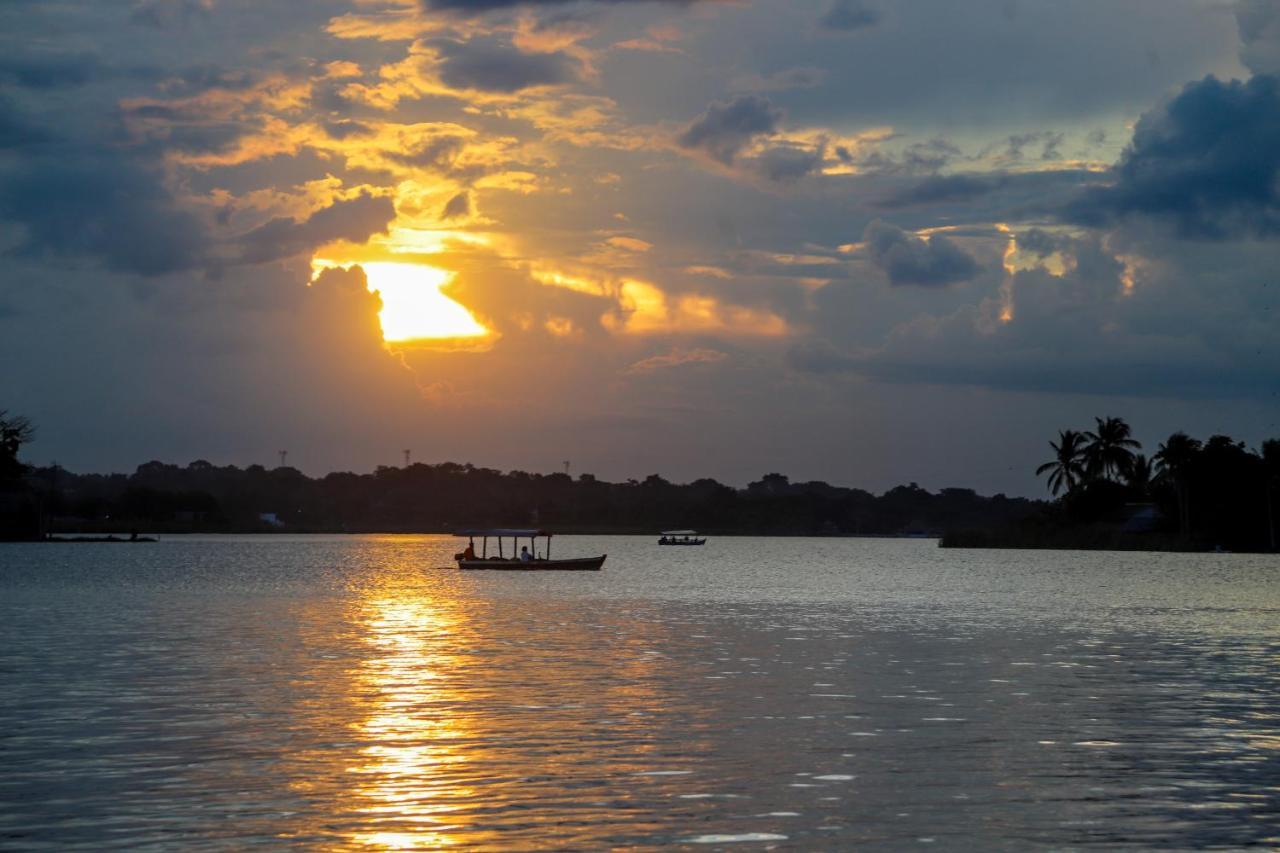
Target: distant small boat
[(527, 560), (681, 537)]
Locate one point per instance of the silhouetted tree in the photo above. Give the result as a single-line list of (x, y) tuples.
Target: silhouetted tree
[(1271, 467), (1110, 450), (1139, 475), (15, 431), (1174, 459), (1066, 469)]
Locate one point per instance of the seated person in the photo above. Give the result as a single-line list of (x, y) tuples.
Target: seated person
[(470, 552), (525, 556)]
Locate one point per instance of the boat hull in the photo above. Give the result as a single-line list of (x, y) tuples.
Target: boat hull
[(579, 564), (693, 542)]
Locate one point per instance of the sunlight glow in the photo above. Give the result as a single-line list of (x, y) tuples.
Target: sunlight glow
[(413, 306), (646, 309)]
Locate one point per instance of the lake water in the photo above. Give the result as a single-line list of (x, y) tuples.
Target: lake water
[(347, 692)]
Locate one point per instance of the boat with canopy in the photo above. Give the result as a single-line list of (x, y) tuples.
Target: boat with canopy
[(681, 537), (528, 559)]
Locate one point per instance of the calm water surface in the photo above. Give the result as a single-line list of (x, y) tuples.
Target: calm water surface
[(345, 692)]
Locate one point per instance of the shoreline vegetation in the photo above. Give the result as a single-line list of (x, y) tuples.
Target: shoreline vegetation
[(1191, 496)]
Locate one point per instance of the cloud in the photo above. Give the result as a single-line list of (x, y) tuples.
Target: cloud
[(100, 205), (208, 77), (479, 7), (50, 70), (1259, 24), (458, 206), (943, 189), (169, 14), (16, 130), (788, 163), (491, 66), (676, 358), (726, 128), (908, 259), (849, 16), (431, 151), (347, 128), (800, 77), (1208, 162), (1049, 142), (1074, 315), (353, 220)]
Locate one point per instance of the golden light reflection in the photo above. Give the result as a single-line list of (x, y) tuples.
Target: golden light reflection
[(458, 723), (414, 307), (411, 778)]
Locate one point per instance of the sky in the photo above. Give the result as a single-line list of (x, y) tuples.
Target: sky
[(863, 241)]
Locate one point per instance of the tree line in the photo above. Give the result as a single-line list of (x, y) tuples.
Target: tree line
[(202, 497), (441, 497), (1193, 494)]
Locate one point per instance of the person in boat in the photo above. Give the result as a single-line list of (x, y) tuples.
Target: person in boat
[(469, 553), (525, 556)]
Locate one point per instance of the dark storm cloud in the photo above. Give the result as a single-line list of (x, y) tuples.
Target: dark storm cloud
[(1208, 162), (354, 220), (849, 15), (100, 205), (492, 66), (908, 259), (726, 128)]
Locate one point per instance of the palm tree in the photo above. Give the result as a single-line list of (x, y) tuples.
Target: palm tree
[(1065, 469), (1139, 475), (1110, 450), (1173, 461)]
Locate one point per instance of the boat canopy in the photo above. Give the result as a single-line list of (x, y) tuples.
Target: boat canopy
[(679, 533), (502, 531)]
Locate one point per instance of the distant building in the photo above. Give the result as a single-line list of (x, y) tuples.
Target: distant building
[(270, 519)]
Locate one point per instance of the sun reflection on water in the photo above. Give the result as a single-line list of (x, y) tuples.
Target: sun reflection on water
[(411, 778)]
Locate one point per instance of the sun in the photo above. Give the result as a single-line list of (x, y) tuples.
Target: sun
[(413, 306)]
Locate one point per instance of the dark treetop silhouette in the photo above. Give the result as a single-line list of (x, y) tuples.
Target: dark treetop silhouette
[(1212, 494)]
